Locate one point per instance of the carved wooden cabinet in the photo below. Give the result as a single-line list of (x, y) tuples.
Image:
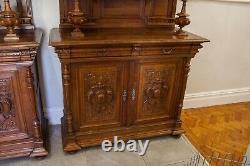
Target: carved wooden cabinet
[(22, 123), (127, 76)]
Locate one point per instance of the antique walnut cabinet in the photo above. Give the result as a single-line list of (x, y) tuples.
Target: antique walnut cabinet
[(22, 122), (124, 69)]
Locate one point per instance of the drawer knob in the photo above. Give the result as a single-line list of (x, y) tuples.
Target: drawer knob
[(167, 51)]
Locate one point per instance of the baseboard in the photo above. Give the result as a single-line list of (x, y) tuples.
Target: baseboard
[(193, 100), (205, 99)]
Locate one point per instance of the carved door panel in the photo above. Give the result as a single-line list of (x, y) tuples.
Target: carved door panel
[(155, 92), (12, 126), (99, 100)]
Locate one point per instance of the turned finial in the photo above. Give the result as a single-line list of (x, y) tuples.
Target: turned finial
[(182, 19), (9, 19), (77, 19)]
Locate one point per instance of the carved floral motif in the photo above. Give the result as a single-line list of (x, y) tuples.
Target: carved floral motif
[(100, 94), (155, 90), (7, 110)]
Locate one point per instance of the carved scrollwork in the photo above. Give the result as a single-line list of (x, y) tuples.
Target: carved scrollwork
[(7, 110), (155, 89), (19, 55), (63, 53), (100, 94)]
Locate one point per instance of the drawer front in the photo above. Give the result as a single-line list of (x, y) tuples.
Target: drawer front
[(164, 50), (132, 50), (101, 52)]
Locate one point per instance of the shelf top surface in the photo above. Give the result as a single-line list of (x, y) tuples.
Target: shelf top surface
[(27, 38), (62, 37)]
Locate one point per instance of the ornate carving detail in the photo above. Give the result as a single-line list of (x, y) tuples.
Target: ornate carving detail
[(102, 52), (186, 74), (77, 18), (29, 78), (63, 53), (155, 89), (195, 48), (66, 74), (100, 94), (36, 127), (19, 55), (7, 110), (187, 68), (32, 52)]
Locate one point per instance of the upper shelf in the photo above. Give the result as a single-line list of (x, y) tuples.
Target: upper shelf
[(123, 13)]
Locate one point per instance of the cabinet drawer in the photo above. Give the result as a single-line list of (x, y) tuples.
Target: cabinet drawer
[(163, 50), (101, 52)]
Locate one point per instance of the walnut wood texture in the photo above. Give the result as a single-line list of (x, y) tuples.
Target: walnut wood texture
[(23, 128), (224, 129), (124, 82)]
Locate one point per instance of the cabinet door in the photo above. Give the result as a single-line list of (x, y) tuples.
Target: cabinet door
[(99, 95), (12, 118), (155, 90)]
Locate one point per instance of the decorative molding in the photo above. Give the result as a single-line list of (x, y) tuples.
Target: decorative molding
[(18, 55), (204, 99), (63, 53), (66, 76)]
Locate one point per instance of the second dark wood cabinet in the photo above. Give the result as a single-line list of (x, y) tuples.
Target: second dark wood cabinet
[(23, 126)]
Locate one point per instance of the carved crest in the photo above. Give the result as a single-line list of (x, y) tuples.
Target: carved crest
[(7, 110), (155, 90), (100, 94)]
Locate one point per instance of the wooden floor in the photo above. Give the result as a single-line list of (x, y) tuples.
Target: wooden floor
[(224, 128)]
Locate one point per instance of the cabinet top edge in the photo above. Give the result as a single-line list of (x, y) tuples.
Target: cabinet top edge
[(62, 37), (27, 38)]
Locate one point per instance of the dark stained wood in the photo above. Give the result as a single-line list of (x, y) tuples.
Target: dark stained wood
[(23, 128), (128, 82)]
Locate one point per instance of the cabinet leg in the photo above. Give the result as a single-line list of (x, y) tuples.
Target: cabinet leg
[(178, 130), (69, 144), (39, 153)]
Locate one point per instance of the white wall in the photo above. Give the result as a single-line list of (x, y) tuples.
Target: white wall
[(220, 73)]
